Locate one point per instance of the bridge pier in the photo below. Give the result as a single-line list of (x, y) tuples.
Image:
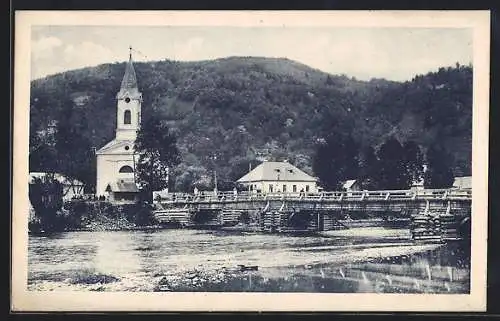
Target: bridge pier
[(438, 222)]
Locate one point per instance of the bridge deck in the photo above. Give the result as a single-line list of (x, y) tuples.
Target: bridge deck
[(358, 196), (434, 214)]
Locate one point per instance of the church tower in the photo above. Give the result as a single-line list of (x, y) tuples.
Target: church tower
[(116, 161), (129, 98)]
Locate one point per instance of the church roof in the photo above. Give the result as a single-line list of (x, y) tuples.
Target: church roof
[(116, 144), (129, 80), (272, 171)]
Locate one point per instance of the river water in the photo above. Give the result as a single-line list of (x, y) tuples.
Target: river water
[(375, 259)]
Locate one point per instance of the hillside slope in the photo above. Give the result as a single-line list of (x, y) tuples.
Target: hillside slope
[(242, 109)]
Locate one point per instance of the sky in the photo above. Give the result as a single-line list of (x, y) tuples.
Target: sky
[(393, 53)]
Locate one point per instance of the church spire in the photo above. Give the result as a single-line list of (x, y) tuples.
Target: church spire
[(129, 80)]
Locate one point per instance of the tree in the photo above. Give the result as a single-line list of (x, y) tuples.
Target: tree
[(46, 197), (329, 80), (158, 153), (392, 170), (413, 161), (336, 160), (439, 172), (187, 176), (43, 158), (240, 166), (368, 168), (75, 158)]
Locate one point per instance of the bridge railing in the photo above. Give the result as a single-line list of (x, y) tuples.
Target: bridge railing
[(384, 195)]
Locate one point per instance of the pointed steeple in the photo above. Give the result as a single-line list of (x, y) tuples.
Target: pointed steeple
[(129, 80), (128, 85)]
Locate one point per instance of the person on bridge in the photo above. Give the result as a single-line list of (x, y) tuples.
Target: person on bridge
[(195, 190)]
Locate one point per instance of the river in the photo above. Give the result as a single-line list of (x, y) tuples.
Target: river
[(373, 259)]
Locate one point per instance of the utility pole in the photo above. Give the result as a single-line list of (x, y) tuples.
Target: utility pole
[(249, 170), (94, 162), (214, 157)]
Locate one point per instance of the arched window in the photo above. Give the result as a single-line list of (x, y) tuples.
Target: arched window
[(126, 169), (126, 117)]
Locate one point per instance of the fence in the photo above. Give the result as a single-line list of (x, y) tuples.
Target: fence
[(386, 195)]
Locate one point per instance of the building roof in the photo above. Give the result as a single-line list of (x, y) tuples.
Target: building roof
[(122, 186), (272, 171), (419, 182), (349, 183), (118, 145), (129, 80), (59, 177), (463, 182)]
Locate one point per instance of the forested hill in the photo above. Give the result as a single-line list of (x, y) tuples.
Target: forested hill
[(243, 109)]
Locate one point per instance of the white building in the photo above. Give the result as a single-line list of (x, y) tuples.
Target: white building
[(278, 177), (351, 185), (71, 187), (417, 185), (463, 182), (116, 161)]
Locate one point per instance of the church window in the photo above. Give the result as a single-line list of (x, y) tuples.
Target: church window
[(127, 148), (126, 169), (127, 100), (126, 117)]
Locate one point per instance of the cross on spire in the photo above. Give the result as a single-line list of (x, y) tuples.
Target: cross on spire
[(130, 53)]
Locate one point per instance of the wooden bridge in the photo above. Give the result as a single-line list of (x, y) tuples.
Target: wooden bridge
[(437, 214)]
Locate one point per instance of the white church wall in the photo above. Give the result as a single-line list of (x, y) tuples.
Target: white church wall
[(108, 170), (128, 131)]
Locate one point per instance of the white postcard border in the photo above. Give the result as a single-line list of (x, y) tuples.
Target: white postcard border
[(23, 300)]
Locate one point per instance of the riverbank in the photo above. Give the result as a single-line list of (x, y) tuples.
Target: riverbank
[(94, 216)]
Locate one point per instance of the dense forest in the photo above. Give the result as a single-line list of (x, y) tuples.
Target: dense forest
[(232, 112)]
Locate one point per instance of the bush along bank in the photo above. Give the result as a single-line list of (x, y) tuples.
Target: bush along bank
[(85, 215)]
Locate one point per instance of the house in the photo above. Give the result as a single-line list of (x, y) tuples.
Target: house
[(116, 161), (351, 185), (463, 182), (417, 185), (71, 187), (273, 177)]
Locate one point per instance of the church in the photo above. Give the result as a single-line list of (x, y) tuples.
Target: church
[(116, 161)]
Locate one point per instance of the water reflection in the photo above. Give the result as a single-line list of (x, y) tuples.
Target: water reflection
[(357, 260)]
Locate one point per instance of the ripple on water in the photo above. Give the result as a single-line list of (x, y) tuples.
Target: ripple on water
[(137, 260)]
